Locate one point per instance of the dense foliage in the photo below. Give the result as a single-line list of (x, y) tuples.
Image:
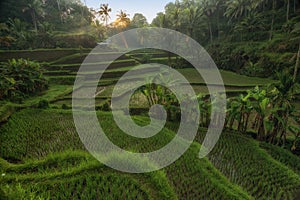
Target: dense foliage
[(45, 158), (20, 78), (255, 38)]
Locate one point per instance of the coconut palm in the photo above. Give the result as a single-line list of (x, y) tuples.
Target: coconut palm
[(237, 8), (194, 13), (288, 4), (208, 9), (122, 22), (283, 93), (250, 23), (104, 13), (34, 7), (175, 16), (17, 29), (5, 38)]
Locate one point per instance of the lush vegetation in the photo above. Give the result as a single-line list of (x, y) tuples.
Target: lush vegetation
[(256, 46), (20, 78), (190, 176)]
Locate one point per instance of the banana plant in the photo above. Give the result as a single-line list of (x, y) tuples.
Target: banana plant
[(239, 110), (262, 105)]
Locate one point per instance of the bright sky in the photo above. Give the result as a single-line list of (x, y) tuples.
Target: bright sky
[(148, 8)]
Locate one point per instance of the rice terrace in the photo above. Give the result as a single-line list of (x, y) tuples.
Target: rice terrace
[(45, 47)]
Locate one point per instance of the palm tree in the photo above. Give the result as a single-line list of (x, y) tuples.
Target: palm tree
[(175, 16), (17, 27), (193, 13), (287, 10), (122, 22), (99, 28), (250, 23), (35, 9), (5, 38), (160, 20), (237, 9), (104, 13), (283, 93), (59, 10), (209, 8)]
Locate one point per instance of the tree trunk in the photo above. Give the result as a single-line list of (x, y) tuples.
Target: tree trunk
[(275, 131), (246, 122), (59, 10), (296, 65), (210, 31), (273, 20), (231, 123), (288, 11), (34, 21), (261, 129)]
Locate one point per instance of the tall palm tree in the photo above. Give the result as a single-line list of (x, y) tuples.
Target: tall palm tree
[(17, 27), (122, 22), (160, 20), (5, 38), (283, 94), (194, 13), (104, 13), (288, 3), (175, 16), (34, 7), (209, 7), (237, 9), (249, 23)]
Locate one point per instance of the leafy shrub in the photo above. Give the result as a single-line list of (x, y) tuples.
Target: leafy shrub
[(43, 104), (64, 106), (144, 58), (20, 78), (105, 107)]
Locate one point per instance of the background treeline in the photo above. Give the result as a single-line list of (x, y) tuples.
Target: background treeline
[(29, 24), (255, 38)]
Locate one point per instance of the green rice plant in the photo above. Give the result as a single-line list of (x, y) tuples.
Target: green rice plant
[(258, 173), (36, 133), (87, 180)]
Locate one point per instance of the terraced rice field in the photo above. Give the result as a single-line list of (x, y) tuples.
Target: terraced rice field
[(238, 168), (42, 155)]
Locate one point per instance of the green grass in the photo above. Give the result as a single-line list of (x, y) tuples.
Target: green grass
[(249, 170), (32, 134), (53, 93), (283, 156), (75, 174), (42, 55), (229, 78), (244, 163), (79, 57)]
